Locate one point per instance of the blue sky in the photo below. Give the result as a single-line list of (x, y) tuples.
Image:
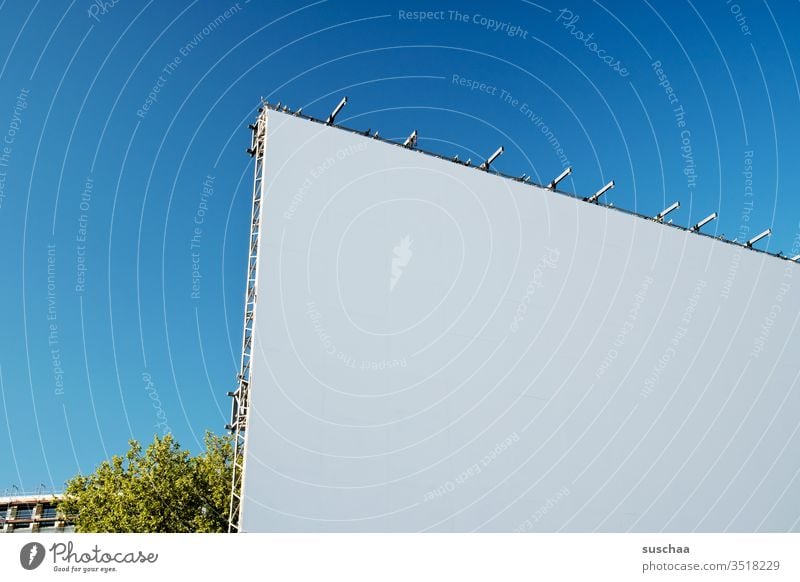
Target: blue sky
[(124, 124)]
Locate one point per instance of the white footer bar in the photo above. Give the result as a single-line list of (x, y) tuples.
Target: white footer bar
[(402, 557)]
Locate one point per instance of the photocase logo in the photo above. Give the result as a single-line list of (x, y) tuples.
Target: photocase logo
[(402, 256), (31, 555)]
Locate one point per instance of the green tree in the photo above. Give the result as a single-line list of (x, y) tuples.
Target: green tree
[(160, 489)]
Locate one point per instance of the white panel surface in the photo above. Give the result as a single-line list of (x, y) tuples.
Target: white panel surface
[(441, 349)]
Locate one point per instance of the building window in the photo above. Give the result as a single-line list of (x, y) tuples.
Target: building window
[(49, 513), (24, 512)]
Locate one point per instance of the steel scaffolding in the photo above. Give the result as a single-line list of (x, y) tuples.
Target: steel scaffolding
[(241, 396)]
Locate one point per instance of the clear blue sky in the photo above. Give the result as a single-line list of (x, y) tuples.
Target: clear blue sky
[(102, 185)]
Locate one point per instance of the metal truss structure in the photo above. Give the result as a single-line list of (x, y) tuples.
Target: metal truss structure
[(241, 396)]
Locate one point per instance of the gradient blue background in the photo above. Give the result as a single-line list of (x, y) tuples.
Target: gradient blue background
[(87, 77)]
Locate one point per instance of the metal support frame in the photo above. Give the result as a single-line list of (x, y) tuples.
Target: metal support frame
[(241, 396)]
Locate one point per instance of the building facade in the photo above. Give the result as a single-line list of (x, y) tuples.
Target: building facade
[(33, 513)]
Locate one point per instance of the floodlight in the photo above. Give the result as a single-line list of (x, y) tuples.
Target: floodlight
[(411, 140), (758, 237), (552, 185), (299, 111), (660, 216), (795, 258), (704, 222), (336, 111), (485, 165), (600, 192)]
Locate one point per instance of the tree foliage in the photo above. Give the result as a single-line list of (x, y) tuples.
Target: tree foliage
[(162, 488)]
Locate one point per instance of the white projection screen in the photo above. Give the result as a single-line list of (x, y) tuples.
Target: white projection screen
[(442, 349)]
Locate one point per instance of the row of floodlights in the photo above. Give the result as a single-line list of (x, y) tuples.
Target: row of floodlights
[(411, 142)]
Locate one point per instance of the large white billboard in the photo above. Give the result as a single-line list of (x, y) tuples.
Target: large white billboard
[(441, 349)]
